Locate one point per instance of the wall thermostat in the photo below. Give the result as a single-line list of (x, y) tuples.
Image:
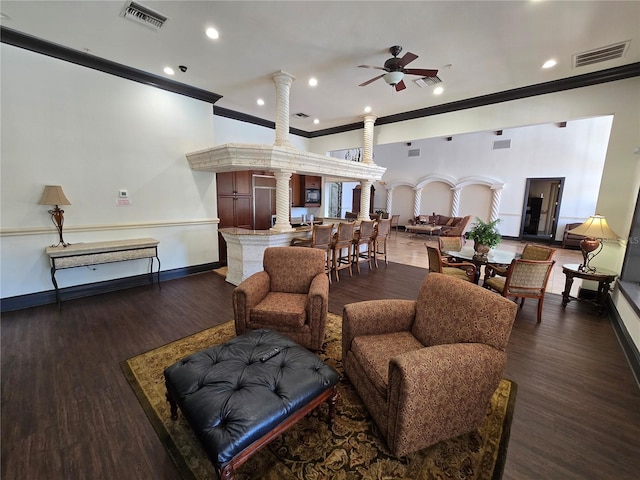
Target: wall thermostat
[(123, 194)]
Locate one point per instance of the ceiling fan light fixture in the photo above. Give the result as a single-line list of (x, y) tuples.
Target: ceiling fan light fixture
[(393, 78)]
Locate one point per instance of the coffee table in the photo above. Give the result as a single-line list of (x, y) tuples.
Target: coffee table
[(242, 394), (430, 229)]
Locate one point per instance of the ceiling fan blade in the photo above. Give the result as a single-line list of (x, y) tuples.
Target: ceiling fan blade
[(371, 81), (421, 71), (407, 58), (400, 86), (372, 66)]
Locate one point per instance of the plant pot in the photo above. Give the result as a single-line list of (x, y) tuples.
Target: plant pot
[(480, 248)]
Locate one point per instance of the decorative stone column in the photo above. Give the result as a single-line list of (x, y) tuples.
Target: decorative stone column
[(455, 202), (367, 151), (282, 202), (389, 205), (495, 203), (283, 81), (417, 200), (365, 200)]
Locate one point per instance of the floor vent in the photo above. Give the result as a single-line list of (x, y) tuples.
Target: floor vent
[(427, 81), (603, 54), (499, 144), (414, 152), (144, 15), (301, 115)]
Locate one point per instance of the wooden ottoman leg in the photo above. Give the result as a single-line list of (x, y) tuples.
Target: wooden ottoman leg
[(226, 472), (332, 400)]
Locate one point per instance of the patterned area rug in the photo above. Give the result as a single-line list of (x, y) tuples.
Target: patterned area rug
[(352, 449)]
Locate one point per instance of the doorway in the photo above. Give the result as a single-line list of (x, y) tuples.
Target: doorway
[(542, 199)]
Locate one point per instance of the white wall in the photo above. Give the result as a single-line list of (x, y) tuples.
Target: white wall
[(576, 152), (621, 175), (94, 134)]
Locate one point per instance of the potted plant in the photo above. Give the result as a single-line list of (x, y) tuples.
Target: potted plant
[(485, 236), (382, 214)]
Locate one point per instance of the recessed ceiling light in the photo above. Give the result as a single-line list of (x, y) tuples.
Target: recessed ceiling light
[(367, 109), (549, 64), (212, 33), (169, 70), (260, 102), (438, 90), (316, 121), (313, 82)]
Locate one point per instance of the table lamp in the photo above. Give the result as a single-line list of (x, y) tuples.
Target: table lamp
[(53, 195), (595, 229)]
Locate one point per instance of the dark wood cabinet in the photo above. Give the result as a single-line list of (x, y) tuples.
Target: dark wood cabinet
[(297, 190), (532, 217), (235, 204), (311, 181), (355, 205), (312, 191), (234, 183)]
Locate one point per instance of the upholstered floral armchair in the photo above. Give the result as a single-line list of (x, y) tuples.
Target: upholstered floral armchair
[(426, 369), (290, 296)]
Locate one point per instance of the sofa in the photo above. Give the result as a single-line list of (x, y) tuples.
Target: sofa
[(450, 226), (571, 239)]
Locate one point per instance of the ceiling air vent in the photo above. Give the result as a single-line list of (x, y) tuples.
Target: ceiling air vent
[(144, 15), (598, 55), (427, 81), (414, 152), (301, 115), (498, 144)]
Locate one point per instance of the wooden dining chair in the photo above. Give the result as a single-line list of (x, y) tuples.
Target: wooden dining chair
[(524, 279), (530, 252), (463, 270)]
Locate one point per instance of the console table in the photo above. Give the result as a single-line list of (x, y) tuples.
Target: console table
[(602, 276), (95, 253)]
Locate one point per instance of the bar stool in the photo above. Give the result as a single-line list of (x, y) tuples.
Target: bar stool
[(322, 239), (363, 236), (383, 230), (343, 240)]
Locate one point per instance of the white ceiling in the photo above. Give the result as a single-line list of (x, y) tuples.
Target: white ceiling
[(479, 47)]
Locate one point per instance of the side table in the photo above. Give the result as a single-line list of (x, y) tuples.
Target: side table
[(602, 276)]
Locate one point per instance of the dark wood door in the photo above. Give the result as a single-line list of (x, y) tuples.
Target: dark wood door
[(265, 206)]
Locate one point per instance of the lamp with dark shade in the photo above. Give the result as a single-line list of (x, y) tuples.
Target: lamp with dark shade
[(53, 195), (595, 229)]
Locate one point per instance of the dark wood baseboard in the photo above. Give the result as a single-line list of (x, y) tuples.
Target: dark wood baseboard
[(626, 342), (79, 291)]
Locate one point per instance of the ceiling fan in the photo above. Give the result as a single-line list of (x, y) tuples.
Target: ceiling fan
[(396, 71)]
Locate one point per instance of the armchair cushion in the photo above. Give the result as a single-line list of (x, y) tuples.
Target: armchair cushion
[(372, 352), (281, 309)]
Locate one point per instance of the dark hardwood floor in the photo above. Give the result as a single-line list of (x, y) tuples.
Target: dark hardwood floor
[(68, 412)]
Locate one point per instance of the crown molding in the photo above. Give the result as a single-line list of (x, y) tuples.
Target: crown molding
[(34, 44), (28, 42)]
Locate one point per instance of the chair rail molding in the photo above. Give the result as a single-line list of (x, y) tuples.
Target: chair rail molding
[(20, 231)]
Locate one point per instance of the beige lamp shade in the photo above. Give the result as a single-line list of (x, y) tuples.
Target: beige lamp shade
[(53, 195), (596, 227)]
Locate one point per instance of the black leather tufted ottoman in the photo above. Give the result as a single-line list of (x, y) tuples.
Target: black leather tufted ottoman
[(237, 400)]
